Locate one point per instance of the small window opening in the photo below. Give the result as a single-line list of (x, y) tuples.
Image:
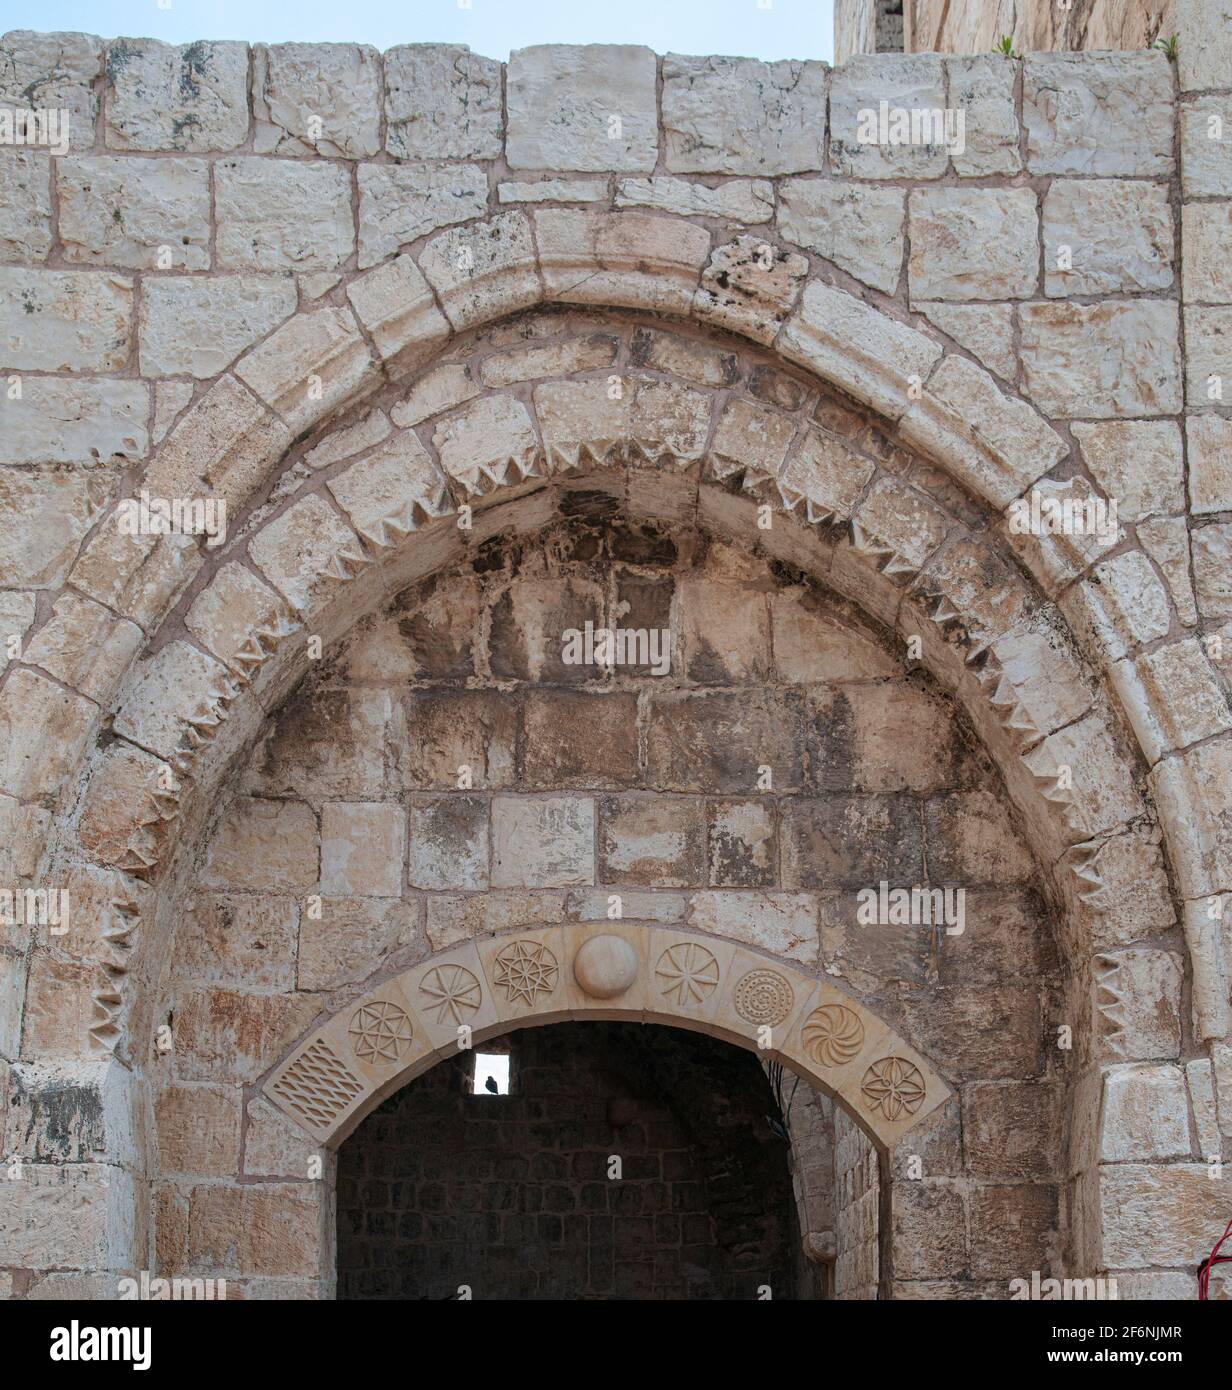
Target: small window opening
[(491, 1074)]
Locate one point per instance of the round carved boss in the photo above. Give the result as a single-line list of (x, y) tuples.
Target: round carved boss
[(605, 966)]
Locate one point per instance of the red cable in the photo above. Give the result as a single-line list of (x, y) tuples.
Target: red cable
[(1213, 1259)]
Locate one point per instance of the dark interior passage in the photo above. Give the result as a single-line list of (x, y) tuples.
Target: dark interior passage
[(510, 1195)]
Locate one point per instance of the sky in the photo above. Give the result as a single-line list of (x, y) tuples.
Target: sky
[(751, 28)]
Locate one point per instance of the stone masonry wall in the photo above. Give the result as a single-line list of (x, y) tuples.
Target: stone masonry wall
[(235, 250), (512, 1196)]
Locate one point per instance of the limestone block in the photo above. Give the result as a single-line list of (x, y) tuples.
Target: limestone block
[(1071, 99), (1166, 541), (1210, 463), (143, 214), (580, 739), (42, 729), (1102, 360), (911, 82), (350, 440), (1139, 463), (1191, 791), (16, 619), (985, 330), (783, 923), (741, 116), (1145, 1114), (306, 552), (273, 1147), (266, 846), (742, 844), (810, 647), (198, 1130), (1221, 1066), (449, 843), (240, 941), (316, 98), (859, 227), (57, 1215), (748, 436), (683, 357), (190, 98), (25, 205), (1208, 347), (896, 521), (352, 938), (1102, 796), (1201, 1084), (86, 648), (1122, 604), (542, 842), (1212, 564), (232, 1037), (455, 919), (442, 102), (749, 287), (120, 821), (825, 475), (481, 443), (1206, 43), (1206, 276), (177, 686), (44, 516), (313, 363), (582, 107), (558, 357), (1115, 235), (553, 191), (228, 313), (483, 272), (650, 841), (68, 421), (64, 320), (397, 309), (282, 214), (363, 845), (865, 352), (1138, 995), (735, 200), (1206, 147), (398, 204), (54, 72), (973, 243), (999, 444), (448, 730), (981, 86), (629, 259), (1159, 1214), (170, 398), (1172, 698), (391, 492)]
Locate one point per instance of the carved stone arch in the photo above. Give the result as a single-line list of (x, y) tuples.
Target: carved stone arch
[(400, 1027)]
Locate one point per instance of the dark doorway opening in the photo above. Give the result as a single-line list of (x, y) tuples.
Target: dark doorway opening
[(626, 1161)]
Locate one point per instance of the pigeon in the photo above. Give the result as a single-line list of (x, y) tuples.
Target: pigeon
[(490, 1085)]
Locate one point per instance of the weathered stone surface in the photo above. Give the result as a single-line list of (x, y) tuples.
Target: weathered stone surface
[(239, 939), (734, 200), (553, 191), (1206, 147), (198, 1130), (44, 516), (264, 845), (1191, 789), (985, 330), (58, 1214), (190, 98), (64, 320), (558, 357), (1137, 462), (749, 287), (1102, 360), (1071, 99), (1166, 542), (1206, 275), (1158, 1214), (740, 116), (479, 443), (1172, 697), (25, 206), (400, 203), (316, 98), (947, 224), (1208, 349), (1138, 994), (783, 923), (396, 307), (163, 692), (742, 844), (230, 1036), (362, 849), (32, 764), (724, 630), (1207, 49), (228, 313), (542, 842), (584, 107), (143, 214), (1106, 236), (913, 82), (472, 729), (333, 751), (83, 646), (1145, 1114), (442, 102), (1122, 605), (53, 72), (578, 739), (449, 838), (981, 85), (1210, 463), (350, 938), (279, 214), (68, 421), (858, 227)]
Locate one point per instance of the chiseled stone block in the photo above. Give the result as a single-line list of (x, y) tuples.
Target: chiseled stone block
[(542, 842), (316, 98), (190, 98), (442, 102)]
